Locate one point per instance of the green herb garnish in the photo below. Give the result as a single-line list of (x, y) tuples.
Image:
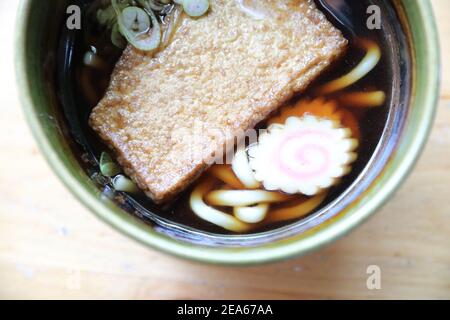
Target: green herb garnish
[(139, 21), (122, 183), (108, 167)]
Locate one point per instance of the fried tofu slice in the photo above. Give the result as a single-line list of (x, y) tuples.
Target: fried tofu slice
[(166, 115)]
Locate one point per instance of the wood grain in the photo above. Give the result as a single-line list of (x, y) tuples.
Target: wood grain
[(52, 247)]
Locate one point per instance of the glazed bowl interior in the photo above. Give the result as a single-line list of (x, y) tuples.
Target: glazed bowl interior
[(415, 80)]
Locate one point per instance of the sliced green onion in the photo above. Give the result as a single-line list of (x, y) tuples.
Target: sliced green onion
[(155, 6), (106, 17), (135, 20), (107, 166), (147, 40), (195, 8), (117, 38), (122, 183)]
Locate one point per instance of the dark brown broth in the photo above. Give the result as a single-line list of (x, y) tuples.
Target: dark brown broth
[(77, 108)]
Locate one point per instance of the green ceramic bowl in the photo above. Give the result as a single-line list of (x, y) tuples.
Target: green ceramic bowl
[(37, 32)]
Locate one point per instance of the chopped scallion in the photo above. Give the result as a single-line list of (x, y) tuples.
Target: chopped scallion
[(107, 166), (195, 8), (133, 17), (122, 183)]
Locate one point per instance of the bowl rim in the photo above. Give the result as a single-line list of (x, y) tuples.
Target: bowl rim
[(426, 65)]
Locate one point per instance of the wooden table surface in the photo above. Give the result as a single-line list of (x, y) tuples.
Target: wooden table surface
[(52, 247)]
